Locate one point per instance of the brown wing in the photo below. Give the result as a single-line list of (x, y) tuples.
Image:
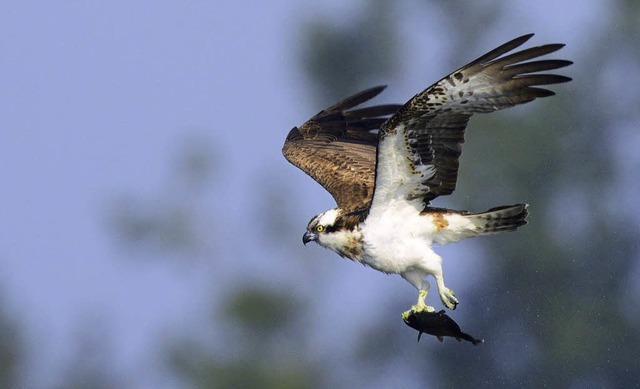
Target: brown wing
[(428, 131), (337, 148)]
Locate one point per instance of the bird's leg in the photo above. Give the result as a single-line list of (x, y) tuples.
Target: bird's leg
[(422, 296), (446, 295), (420, 305)]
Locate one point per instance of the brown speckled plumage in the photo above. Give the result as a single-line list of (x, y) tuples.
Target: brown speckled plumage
[(337, 147), (385, 164), (436, 118)]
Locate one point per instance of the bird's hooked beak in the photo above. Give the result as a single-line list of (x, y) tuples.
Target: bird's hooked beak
[(308, 237)]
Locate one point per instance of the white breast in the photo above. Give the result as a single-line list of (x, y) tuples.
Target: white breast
[(399, 237), (396, 238)]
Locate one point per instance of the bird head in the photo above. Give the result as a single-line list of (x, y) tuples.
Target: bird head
[(320, 225)]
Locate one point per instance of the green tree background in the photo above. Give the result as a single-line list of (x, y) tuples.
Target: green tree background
[(552, 301)]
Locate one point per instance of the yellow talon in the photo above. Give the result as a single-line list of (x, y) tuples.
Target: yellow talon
[(422, 296), (419, 306)]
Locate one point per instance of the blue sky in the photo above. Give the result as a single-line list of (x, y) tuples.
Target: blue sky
[(96, 99)]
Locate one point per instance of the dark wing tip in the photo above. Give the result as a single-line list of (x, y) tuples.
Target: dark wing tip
[(503, 49), (515, 42), (356, 99), (541, 79), (338, 137), (294, 134)]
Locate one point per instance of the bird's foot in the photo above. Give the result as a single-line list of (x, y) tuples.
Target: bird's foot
[(418, 307), (415, 309), (448, 298)]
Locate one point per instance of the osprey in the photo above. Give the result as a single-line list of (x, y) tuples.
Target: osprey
[(384, 165)]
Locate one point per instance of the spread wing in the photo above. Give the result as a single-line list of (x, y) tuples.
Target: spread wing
[(337, 148), (419, 146)]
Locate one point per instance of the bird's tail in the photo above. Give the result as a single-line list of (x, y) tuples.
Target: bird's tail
[(499, 219)]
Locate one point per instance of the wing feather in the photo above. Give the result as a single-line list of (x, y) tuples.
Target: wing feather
[(337, 148), (420, 145)]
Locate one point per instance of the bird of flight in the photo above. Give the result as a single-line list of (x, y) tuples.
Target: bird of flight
[(385, 164)]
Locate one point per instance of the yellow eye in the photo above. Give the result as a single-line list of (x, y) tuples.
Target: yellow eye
[(320, 228)]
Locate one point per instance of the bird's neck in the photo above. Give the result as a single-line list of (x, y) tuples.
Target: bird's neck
[(347, 243)]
